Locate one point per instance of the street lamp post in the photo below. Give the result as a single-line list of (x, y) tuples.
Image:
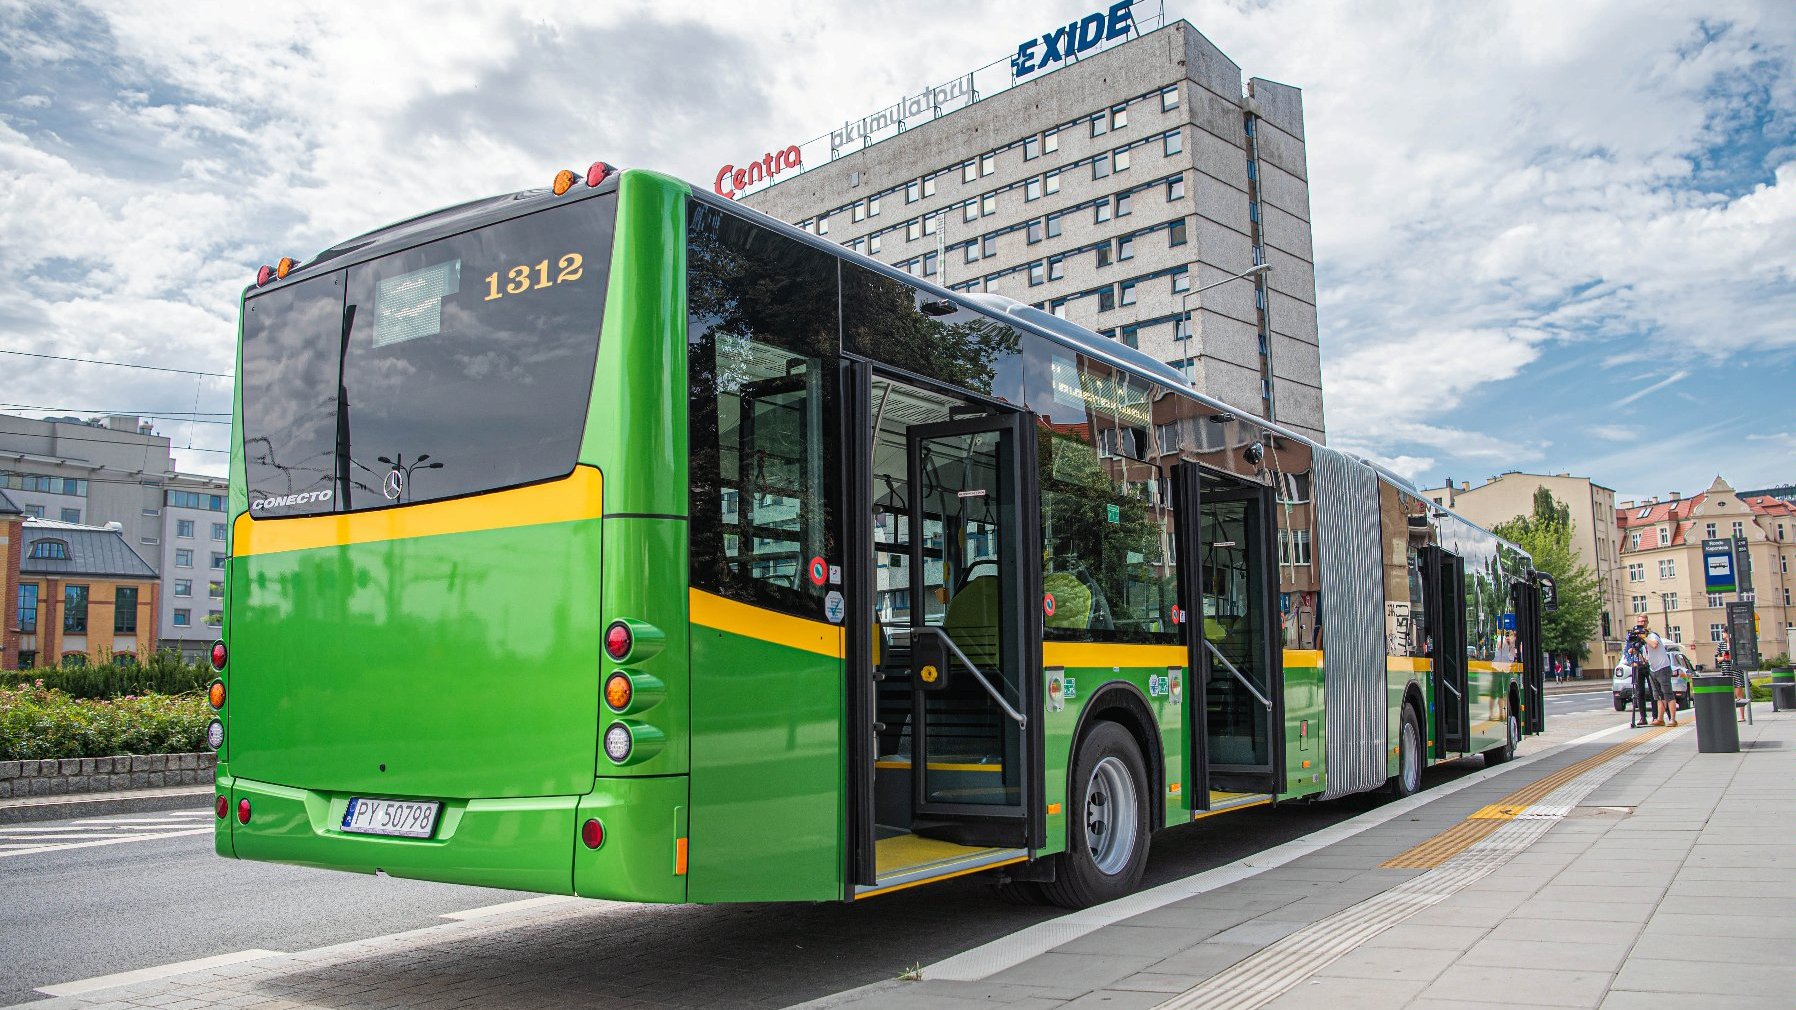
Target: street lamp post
[(1185, 300), (404, 471)]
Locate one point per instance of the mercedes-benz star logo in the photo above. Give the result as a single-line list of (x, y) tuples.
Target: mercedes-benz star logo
[(395, 484)]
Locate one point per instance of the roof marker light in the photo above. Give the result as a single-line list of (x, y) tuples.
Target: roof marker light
[(264, 275), (284, 267), (598, 173), (564, 181)]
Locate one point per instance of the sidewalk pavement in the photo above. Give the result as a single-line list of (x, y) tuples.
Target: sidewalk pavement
[(120, 801), (1627, 872)]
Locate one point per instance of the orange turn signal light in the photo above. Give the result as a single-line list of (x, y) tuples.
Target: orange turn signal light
[(618, 691), (284, 267), (216, 694), (564, 181)]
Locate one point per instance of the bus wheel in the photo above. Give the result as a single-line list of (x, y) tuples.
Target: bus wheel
[(1019, 892), (1512, 728), (1106, 843), (1408, 779)]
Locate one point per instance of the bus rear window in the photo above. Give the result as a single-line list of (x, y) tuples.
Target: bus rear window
[(460, 366)]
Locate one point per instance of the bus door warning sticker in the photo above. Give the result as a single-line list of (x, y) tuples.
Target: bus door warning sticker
[(819, 571)]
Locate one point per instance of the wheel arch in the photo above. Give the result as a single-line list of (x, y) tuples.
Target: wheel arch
[(1413, 695), (1123, 703)]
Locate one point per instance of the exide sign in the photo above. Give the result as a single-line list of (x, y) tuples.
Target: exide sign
[(732, 180), (1074, 38)]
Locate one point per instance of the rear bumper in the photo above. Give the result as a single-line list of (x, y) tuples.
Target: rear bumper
[(518, 843)]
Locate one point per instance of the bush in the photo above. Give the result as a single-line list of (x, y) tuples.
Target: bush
[(160, 673), (41, 722)]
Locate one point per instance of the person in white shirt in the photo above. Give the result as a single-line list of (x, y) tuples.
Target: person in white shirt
[(1658, 664)]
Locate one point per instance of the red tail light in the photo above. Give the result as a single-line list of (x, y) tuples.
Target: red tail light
[(592, 834), (219, 655), (598, 173), (224, 807), (243, 811), (618, 641)]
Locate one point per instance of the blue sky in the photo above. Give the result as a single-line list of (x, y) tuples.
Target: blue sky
[(1551, 236)]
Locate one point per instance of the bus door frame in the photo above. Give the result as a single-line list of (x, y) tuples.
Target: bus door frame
[(1188, 510), (1528, 644), (1445, 573), (1271, 777)]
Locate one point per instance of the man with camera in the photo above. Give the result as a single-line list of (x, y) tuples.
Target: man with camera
[(1656, 660), (1634, 655)]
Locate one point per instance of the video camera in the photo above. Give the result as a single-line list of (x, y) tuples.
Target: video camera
[(1634, 650)]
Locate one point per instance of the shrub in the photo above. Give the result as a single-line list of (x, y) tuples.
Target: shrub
[(41, 722), (159, 673)]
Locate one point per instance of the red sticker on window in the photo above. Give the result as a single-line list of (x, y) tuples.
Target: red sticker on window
[(819, 572), (1047, 604)]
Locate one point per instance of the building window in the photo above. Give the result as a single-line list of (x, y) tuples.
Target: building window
[(183, 558), (1175, 189), (183, 587), (1664, 536), (1121, 159), (1175, 233), (184, 529), (858, 214), (1181, 328), (969, 171), (1637, 604), (1100, 166), (873, 206), (74, 610), (1294, 547), (1131, 335), (124, 610), (913, 191), (931, 223), (1668, 568), (1677, 633), (183, 617), (1036, 275), (1717, 600), (1181, 280), (913, 229), (218, 560), (1739, 528), (1637, 572), (1671, 601), (823, 225), (1101, 212), (1033, 231), (27, 659), (1059, 308), (1119, 117), (874, 242), (1169, 99), (1104, 255), (27, 612), (1125, 248), (1124, 204), (71, 515), (1786, 596), (34, 510), (1057, 271), (1708, 530), (1106, 299), (972, 252), (74, 660), (1128, 295), (971, 211), (1031, 148), (1100, 124), (1032, 190), (1717, 632), (929, 262), (50, 550), (1050, 142), (988, 163), (218, 531), (1175, 143), (215, 618), (989, 246), (1634, 542), (1056, 224), (1053, 183), (988, 204)]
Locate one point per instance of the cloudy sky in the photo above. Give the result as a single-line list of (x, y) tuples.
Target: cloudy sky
[(1550, 236)]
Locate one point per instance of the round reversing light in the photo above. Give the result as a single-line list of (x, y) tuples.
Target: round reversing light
[(618, 641), (618, 742), (215, 734), (215, 694), (618, 690), (592, 833), (243, 811), (224, 807)]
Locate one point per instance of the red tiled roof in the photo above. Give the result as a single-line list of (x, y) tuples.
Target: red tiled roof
[(1766, 505), (1664, 511)]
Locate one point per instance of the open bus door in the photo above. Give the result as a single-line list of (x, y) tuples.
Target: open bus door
[(1532, 600), (1451, 688)]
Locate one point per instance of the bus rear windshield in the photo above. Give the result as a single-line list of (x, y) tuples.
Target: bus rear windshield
[(455, 367)]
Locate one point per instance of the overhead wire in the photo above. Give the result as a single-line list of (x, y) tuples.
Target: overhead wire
[(115, 364)]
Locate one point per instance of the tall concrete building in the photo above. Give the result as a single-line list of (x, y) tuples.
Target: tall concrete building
[(118, 471), (1596, 539), (1109, 191)]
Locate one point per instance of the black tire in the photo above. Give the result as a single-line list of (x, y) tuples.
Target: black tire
[(1408, 780), (1621, 705), (1102, 862), (1513, 731), (1020, 892)]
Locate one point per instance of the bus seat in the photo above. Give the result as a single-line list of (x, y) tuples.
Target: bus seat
[(1072, 601), (972, 620)]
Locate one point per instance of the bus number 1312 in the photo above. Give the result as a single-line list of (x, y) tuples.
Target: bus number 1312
[(518, 277)]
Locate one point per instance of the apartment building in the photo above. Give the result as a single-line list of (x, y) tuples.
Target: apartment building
[(84, 596), (1596, 540), (1662, 565), (1109, 192)]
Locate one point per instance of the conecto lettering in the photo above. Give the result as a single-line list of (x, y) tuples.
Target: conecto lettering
[(286, 500), (732, 180)]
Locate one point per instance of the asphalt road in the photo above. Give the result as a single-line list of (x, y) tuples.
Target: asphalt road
[(80, 912), (1569, 702)]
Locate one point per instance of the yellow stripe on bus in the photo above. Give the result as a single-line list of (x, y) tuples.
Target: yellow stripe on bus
[(1089, 654), (719, 614), (579, 495)]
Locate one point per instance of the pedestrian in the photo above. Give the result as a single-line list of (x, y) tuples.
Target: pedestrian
[(1634, 656), (1658, 663)]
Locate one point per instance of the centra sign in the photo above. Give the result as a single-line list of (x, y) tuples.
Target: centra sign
[(1076, 38), (732, 180)]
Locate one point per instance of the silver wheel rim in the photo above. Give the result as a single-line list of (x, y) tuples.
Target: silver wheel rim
[(1412, 758), (1515, 730), (1110, 816)]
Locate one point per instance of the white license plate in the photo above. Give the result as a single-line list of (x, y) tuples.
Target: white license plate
[(407, 818)]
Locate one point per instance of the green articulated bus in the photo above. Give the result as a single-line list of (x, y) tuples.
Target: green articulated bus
[(615, 540)]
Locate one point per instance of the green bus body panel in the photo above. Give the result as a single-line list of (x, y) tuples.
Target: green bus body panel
[(452, 666), (639, 554), (1303, 703), (636, 425), (768, 767), (643, 819)]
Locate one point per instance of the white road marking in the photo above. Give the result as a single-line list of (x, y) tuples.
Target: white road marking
[(502, 908), (59, 846), (88, 985)]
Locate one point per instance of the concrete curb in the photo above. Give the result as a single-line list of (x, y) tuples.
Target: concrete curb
[(130, 801)]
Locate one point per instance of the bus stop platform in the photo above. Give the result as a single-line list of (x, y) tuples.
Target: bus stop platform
[(1625, 870)]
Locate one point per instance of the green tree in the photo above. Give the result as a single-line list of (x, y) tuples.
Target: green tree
[(1546, 534)]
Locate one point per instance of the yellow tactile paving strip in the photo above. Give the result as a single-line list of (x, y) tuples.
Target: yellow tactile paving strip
[(1485, 821)]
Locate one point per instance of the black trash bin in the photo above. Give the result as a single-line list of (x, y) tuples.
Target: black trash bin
[(1716, 730), (1783, 690)]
